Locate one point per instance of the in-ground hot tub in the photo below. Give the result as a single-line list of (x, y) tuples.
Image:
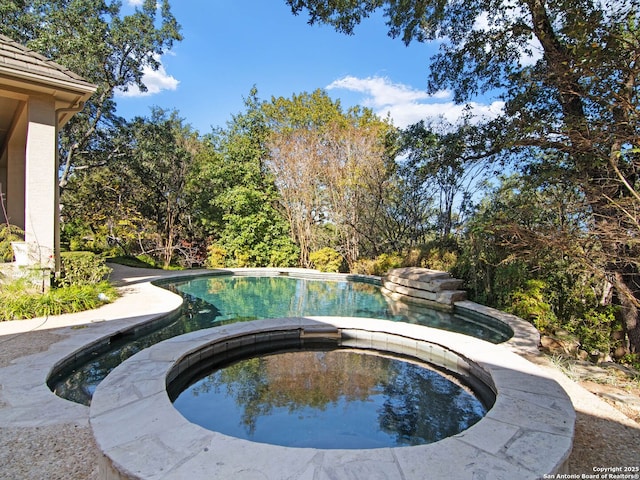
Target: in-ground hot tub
[(526, 433)]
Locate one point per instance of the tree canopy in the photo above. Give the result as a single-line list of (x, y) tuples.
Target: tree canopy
[(95, 40), (568, 72), (551, 230)]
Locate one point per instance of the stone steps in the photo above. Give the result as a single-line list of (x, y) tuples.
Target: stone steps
[(424, 286)]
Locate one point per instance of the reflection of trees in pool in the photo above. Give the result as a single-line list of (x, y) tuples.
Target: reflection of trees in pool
[(214, 301), (78, 386), (416, 404), (415, 394), (296, 380), (247, 296)]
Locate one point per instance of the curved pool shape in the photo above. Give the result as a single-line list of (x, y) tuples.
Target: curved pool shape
[(331, 398), (526, 434), (216, 300)]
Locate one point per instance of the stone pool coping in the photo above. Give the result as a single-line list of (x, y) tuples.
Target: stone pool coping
[(24, 395), (528, 433)]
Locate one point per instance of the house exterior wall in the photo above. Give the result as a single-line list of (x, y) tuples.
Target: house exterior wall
[(15, 170), (3, 183), (41, 179), (37, 97)]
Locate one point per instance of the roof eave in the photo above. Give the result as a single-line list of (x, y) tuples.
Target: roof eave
[(85, 89)]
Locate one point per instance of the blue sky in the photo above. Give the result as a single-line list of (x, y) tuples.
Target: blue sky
[(231, 45)]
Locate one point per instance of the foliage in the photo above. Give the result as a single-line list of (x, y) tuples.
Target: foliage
[(529, 303), (567, 72), (440, 254), (234, 197), (96, 40), (141, 203), (18, 300), (436, 155), (9, 233), (379, 265), (326, 260), (215, 256), (595, 330), (162, 150), (331, 169), (82, 268)]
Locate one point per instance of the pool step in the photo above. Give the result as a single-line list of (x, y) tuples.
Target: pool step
[(423, 285)]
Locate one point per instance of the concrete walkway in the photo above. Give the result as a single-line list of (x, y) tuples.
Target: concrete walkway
[(29, 349)]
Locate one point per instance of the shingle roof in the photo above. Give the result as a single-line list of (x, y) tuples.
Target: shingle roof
[(19, 60)]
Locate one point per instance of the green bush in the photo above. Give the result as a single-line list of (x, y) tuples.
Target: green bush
[(284, 254), (385, 262), (216, 256), (529, 303), (379, 265), (364, 266), (19, 300), (595, 329), (8, 233), (82, 268), (326, 260)]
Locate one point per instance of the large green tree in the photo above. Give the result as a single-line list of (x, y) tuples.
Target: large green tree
[(141, 203), (568, 72), (235, 199), (93, 38), (162, 150)]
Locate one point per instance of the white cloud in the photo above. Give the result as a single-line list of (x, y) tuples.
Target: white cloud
[(530, 53), (156, 81), (135, 3), (407, 106)]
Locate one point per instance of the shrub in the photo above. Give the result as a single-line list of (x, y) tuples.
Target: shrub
[(8, 233), (437, 259), (18, 300), (326, 260), (364, 266), (595, 329), (379, 265), (215, 256), (82, 268), (385, 262), (529, 303), (284, 254)]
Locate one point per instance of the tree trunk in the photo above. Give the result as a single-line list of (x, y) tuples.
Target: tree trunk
[(624, 285)]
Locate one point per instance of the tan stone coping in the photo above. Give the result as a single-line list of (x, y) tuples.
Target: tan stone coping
[(526, 434)]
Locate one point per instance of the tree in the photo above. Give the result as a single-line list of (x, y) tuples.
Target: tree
[(437, 154), (235, 199), (95, 40), (568, 71), (330, 168), (140, 203), (359, 169), (525, 248), (162, 152)]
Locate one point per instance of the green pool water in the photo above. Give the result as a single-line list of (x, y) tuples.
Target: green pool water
[(211, 301)]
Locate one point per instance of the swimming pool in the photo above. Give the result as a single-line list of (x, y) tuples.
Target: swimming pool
[(214, 300)]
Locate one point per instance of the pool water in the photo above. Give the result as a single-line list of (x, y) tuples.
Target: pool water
[(211, 301), (336, 399)]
